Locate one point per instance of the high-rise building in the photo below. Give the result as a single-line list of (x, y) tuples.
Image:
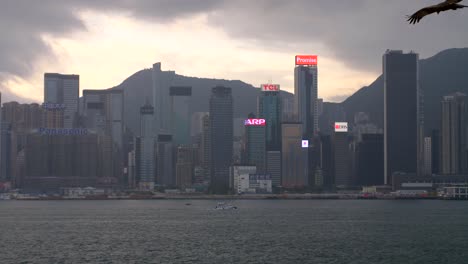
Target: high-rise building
[(221, 133), (165, 161), (453, 134), (269, 108), (255, 130), (370, 159), (273, 162), (435, 140), (162, 81), (402, 115), (205, 150), (294, 161), (103, 112), (180, 114), (427, 156), (305, 94), (341, 155), (63, 89), (54, 160), (184, 167), (144, 149)]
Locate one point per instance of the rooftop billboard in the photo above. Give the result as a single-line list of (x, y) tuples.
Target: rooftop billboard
[(306, 59)]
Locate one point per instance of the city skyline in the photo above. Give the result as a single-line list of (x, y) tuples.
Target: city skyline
[(107, 43)]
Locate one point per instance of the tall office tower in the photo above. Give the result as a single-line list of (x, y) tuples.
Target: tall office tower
[(370, 159), (255, 142), (453, 134), (165, 161), (341, 155), (402, 127), (427, 156), (274, 167), (205, 150), (287, 105), (184, 167), (180, 114), (131, 170), (144, 148), (269, 108), (435, 139), (103, 112), (294, 161), (305, 94), (162, 81), (221, 133), (63, 89)]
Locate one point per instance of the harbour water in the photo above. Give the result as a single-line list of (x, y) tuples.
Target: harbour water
[(260, 231)]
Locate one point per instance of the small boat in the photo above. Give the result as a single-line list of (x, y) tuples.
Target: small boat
[(225, 206)]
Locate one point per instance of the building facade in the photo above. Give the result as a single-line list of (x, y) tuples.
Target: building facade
[(402, 116), (63, 89), (221, 134)]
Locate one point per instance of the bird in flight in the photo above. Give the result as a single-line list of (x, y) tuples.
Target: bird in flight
[(444, 6)]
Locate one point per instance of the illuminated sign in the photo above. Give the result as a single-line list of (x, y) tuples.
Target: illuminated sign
[(306, 59), (341, 127), (63, 131), (255, 122), (53, 106), (305, 143), (270, 87)]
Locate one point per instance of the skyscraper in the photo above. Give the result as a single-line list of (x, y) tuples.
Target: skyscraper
[(255, 146), (402, 120), (162, 80), (453, 134), (341, 155), (63, 89), (305, 94), (294, 164), (221, 133), (103, 111), (205, 149), (165, 161), (427, 156), (144, 148), (184, 167), (180, 114), (269, 108)]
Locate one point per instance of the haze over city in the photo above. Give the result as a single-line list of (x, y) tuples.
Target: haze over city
[(107, 41), (214, 131)]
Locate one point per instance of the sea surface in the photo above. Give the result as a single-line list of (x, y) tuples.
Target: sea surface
[(260, 231)]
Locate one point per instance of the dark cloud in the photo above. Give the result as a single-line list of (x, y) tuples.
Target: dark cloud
[(356, 32)]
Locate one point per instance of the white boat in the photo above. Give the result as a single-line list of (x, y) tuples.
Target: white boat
[(225, 206)]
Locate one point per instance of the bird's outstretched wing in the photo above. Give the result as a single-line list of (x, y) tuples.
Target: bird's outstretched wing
[(444, 6), (416, 17)]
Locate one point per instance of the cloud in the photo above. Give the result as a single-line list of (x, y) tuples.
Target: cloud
[(356, 33)]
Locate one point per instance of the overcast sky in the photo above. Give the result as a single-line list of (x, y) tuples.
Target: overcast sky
[(105, 41)]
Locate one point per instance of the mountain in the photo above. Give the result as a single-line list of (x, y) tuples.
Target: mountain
[(138, 88), (442, 74)]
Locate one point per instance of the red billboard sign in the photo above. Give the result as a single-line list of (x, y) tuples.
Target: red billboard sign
[(306, 59), (255, 122), (270, 87)]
